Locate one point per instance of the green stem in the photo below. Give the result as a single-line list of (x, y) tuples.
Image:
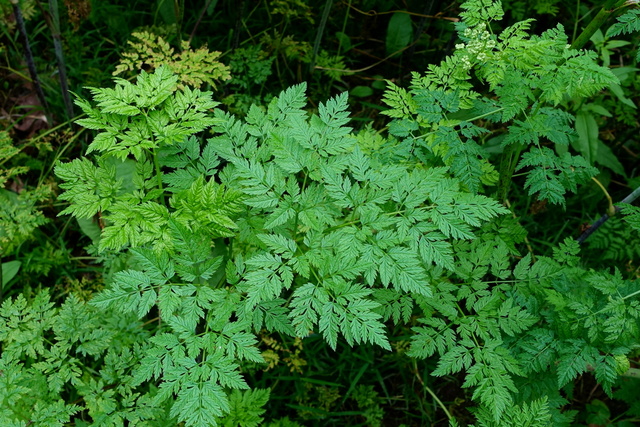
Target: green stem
[(344, 27), (631, 295), (44, 174), (295, 224), (428, 390), (611, 210), (321, 27), (508, 165), (607, 9), (53, 21)]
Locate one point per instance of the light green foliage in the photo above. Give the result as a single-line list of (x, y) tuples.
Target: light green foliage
[(611, 242), (591, 320), (535, 414), (7, 151), (292, 9), (369, 402), (193, 67), (632, 215), (331, 65), (246, 408), (344, 225), (627, 23), (251, 68), (29, 9), (19, 214), (145, 121)]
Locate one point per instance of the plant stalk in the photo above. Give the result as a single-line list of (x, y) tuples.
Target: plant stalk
[(428, 390), (195, 27), (508, 165), (323, 24), (608, 8), (589, 231), (53, 21)]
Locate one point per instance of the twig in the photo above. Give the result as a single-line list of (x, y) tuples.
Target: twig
[(359, 70), (421, 15), (195, 27)]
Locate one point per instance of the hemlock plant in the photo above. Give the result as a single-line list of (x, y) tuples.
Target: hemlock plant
[(293, 223)]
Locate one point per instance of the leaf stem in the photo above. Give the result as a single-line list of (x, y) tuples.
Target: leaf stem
[(611, 210)]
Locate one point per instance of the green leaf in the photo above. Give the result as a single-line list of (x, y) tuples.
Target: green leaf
[(588, 131), (279, 244), (131, 291), (9, 271), (344, 40), (279, 216), (436, 336), (199, 404), (246, 408), (399, 32), (328, 322), (90, 228), (156, 265), (628, 22), (361, 91), (574, 361), (609, 160)]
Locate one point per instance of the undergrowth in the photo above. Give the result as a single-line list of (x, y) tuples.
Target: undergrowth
[(241, 257)]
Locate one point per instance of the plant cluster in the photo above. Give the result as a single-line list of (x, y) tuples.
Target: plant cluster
[(231, 246), (194, 68)]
